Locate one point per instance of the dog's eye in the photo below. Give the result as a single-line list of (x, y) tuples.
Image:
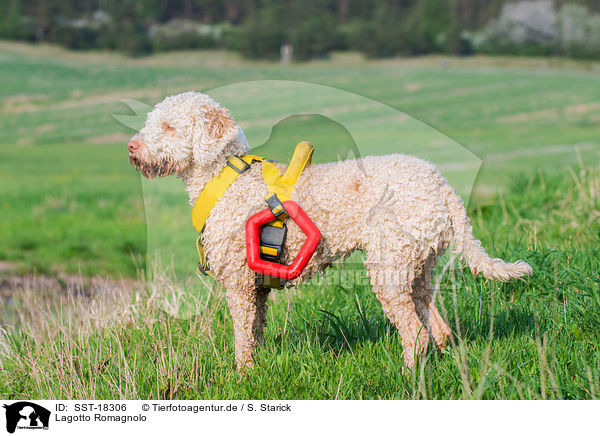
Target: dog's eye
[(167, 128)]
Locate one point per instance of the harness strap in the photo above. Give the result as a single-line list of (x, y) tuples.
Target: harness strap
[(209, 196), (215, 189), (283, 185), (280, 189)]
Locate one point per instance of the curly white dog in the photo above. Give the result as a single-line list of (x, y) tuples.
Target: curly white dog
[(398, 209)]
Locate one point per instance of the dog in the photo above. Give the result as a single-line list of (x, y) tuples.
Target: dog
[(398, 209)]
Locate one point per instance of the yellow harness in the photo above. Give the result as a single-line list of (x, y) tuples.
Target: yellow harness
[(280, 189)]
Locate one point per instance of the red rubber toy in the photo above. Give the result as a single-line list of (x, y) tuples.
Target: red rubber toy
[(286, 272)]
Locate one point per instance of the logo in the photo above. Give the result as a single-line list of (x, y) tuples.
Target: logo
[(26, 415)]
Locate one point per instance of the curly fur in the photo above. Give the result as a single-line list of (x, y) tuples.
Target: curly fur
[(398, 209)]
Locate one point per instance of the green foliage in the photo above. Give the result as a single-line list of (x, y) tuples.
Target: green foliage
[(184, 35), (263, 33), (307, 26), (407, 28), (312, 31), (390, 32), (569, 31), (579, 32), (14, 24), (379, 28)]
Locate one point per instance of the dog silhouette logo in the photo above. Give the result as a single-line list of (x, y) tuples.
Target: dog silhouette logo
[(26, 415)]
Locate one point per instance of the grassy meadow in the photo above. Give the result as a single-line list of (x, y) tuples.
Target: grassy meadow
[(72, 208)]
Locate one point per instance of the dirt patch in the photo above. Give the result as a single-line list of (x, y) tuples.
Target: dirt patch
[(21, 102), (42, 128), (552, 114), (538, 151), (412, 87), (68, 284), (7, 266), (484, 62), (110, 138), (582, 109), (90, 100), (544, 114)]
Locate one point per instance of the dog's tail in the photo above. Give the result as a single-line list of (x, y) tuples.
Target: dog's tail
[(470, 248)]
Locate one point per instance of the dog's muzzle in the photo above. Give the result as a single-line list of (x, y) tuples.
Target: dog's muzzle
[(150, 170)]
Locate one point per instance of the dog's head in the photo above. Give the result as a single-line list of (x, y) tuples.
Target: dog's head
[(181, 130)]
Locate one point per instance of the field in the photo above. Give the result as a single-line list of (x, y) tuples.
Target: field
[(73, 209)]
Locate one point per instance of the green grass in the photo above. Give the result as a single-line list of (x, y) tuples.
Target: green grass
[(70, 208), (71, 204), (70, 201), (533, 338)]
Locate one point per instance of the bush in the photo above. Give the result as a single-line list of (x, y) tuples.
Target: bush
[(420, 28), (389, 33), (526, 27), (533, 27), (128, 37), (81, 33), (185, 34), (102, 31), (263, 33), (309, 28), (314, 36), (579, 31), (75, 37), (14, 25)]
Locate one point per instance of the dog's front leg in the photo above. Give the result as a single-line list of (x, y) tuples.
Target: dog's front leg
[(248, 309)]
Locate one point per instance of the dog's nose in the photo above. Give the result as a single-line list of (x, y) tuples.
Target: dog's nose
[(133, 146)]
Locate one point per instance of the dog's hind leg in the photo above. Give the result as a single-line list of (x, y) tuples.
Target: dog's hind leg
[(425, 306), (398, 305), (248, 311), (396, 296)]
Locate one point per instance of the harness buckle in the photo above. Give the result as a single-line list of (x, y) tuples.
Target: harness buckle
[(272, 239), (202, 266), (275, 205), (245, 165), (201, 269)]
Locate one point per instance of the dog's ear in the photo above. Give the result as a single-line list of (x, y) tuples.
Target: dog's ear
[(214, 129)]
